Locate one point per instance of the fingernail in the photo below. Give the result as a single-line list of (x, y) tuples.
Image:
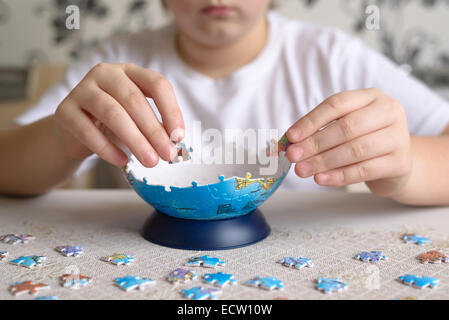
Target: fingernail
[(323, 178), (177, 135), (150, 157), (305, 169), (294, 135)]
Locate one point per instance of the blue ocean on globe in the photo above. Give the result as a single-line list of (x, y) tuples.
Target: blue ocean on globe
[(225, 199)]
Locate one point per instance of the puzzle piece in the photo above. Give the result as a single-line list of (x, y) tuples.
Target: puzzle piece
[(18, 288), (268, 283), (119, 259), (201, 293), (68, 251), (330, 285), (420, 282), (220, 279), (276, 147), (413, 238), (132, 282), (75, 281), (373, 256), (28, 261), (47, 298), (181, 276), (3, 255), (205, 261), (15, 239), (183, 152), (297, 263), (433, 257)]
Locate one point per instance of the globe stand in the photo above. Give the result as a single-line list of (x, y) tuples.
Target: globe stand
[(189, 234)]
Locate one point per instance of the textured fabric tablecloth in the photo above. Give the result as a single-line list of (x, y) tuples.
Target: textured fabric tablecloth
[(329, 228)]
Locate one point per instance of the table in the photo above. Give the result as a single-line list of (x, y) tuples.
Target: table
[(329, 227)]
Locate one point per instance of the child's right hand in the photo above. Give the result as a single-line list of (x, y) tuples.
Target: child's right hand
[(113, 97)]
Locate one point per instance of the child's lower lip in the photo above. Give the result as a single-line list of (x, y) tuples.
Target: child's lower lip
[(217, 11)]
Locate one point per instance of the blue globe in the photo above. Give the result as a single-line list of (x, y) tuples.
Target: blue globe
[(229, 197)]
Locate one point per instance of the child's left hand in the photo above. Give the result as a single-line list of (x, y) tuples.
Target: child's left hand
[(368, 141)]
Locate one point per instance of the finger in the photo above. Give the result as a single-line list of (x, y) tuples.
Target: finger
[(155, 86), (82, 128), (373, 169), (329, 110), (360, 149), (376, 116), (129, 96), (109, 112)]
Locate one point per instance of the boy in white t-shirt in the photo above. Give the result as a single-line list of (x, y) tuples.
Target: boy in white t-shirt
[(234, 64)]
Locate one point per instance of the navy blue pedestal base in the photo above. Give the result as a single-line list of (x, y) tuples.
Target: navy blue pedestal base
[(187, 234)]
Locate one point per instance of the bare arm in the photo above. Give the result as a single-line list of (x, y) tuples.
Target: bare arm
[(429, 181), (33, 160)]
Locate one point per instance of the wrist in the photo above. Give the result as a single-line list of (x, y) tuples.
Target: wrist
[(72, 150)]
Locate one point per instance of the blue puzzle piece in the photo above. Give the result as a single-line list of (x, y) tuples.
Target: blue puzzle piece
[(28, 261), (201, 293), (373, 256), (220, 279), (420, 282), (297, 263), (205, 261), (119, 259), (268, 283), (413, 238), (132, 282), (68, 251), (43, 298), (329, 285)]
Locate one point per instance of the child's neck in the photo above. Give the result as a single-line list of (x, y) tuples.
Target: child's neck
[(221, 61)]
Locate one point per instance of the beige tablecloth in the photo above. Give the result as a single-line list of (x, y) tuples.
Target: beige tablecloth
[(329, 228)]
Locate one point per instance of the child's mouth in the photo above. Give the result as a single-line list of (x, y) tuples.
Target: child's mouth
[(218, 11)]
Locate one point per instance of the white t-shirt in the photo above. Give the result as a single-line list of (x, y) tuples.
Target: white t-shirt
[(300, 66)]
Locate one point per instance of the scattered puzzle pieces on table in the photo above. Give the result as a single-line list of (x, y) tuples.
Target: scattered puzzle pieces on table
[(75, 281), (132, 282), (183, 152), (119, 259), (413, 238), (267, 283), (3, 255), (433, 257), (45, 298), (330, 285), (372, 256), (201, 293), (180, 275), (205, 261), (28, 261), (419, 282), (16, 239), (297, 263), (220, 279), (18, 288), (70, 251)]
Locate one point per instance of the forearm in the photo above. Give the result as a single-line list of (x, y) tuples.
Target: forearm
[(428, 183), (32, 159)]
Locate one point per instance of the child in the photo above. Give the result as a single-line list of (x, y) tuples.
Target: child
[(233, 63)]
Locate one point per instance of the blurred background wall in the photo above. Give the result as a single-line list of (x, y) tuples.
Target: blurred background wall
[(36, 47), (413, 32)]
